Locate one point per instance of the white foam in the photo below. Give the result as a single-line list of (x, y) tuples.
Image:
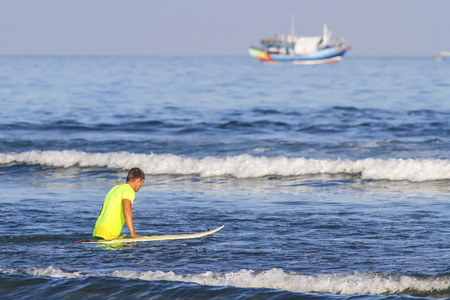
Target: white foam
[(240, 166), (52, 272), (348, 284), (339, 283)]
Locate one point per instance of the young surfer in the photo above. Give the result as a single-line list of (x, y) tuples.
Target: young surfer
[(116, 210)]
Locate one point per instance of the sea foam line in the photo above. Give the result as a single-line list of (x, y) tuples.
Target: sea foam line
[(338, 283), (348, 284), (240, 166)]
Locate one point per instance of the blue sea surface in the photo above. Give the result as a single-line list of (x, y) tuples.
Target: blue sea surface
[(332, 181)]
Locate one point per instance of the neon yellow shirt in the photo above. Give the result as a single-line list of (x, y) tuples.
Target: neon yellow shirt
[(111, 220)]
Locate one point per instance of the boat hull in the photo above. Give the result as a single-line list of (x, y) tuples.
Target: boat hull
[(323, 56), (259, 54)]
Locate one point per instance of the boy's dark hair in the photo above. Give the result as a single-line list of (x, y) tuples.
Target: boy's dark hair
[(135, 173)]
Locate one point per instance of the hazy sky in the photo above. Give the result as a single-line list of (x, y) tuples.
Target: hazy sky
[(218, 27)]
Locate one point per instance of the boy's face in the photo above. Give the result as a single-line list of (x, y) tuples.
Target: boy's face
[(138, 184)]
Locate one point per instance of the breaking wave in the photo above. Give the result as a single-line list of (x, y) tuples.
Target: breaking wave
[(240, 166), (337, 284)]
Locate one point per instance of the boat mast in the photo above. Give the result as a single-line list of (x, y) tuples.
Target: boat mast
[(291, 38), (292, 25), (326, 37)]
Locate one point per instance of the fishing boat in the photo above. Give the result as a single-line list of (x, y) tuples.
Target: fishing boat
[(442, 56), (299, 49)]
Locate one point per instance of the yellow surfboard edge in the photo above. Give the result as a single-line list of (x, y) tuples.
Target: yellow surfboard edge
[(154, 238)]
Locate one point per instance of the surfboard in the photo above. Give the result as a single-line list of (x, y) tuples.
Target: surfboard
[(154, 238)]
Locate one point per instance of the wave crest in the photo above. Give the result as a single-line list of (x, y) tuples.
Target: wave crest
[(240, 166), (338, 283), (347, 284)]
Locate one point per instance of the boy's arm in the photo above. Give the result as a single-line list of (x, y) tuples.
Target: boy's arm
[(128, 213)]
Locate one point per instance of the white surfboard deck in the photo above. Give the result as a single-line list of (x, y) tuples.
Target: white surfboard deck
[(155, 238)]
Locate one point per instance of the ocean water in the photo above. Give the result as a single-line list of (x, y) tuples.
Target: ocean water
[(332, 181)]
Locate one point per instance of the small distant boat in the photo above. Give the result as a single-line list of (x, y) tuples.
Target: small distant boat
[(300, 50), (443, 54)]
